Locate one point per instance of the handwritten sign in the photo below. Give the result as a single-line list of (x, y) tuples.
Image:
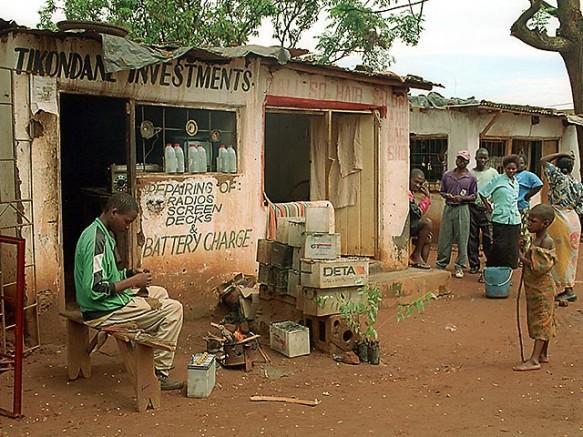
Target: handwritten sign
[(189, 215)]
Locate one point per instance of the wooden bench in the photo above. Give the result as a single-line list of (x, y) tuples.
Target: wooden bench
[(136, 349)]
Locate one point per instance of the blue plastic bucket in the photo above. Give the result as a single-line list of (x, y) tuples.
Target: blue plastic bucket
[(497, 281)]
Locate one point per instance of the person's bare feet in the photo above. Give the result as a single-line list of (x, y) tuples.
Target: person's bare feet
[(527, 365), (543, 359)]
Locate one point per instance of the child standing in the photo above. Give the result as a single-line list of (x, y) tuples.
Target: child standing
[(538, 260)]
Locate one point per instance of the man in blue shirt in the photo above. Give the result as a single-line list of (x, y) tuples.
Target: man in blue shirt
[(529, 184)]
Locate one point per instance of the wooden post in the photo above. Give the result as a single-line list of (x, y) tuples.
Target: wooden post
[(139, 363), (78, 359), (147, 384)]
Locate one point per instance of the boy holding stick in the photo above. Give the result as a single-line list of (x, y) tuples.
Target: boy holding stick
[(539, 286)]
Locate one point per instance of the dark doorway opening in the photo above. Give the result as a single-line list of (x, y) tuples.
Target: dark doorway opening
[(287, 156), (93, 137)]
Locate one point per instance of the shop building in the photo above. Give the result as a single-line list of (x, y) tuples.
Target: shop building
[(86, 114)]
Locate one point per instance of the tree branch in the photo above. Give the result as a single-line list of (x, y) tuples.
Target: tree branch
[(535, 38), (392, 8), (569, 15)]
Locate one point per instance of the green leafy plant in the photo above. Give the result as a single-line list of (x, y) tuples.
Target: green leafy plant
[(404, 311), (362, 314)]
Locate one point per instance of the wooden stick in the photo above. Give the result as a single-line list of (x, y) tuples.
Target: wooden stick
[(284, 399), (263, 354), (248, 339)]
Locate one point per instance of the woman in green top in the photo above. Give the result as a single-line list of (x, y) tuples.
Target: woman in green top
[(500, 196)]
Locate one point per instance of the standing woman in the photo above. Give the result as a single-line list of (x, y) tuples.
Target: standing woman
[(500, 196), (566, 197)]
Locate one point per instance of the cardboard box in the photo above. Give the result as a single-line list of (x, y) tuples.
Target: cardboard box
[(321, 246), (278, 277), (320, 219), (249, 302), (263, 273), (264, 251), (293, 281), (296, 231), (281, 234), (296, 258), (300, 298), (342, 272), (280, 255), (290, 231), (326, 302), (274, 252), (289, 338)]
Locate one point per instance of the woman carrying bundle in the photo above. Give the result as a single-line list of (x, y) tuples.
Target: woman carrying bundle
[(566, 197)]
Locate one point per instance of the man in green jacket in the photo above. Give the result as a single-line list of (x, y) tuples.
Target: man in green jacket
[(109, 296)]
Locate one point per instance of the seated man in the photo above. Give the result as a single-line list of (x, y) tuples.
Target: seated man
[(420, 227), (109, 296)]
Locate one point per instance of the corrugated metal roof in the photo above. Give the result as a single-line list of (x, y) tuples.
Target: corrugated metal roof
[(142, 55), (435, 100), (508, 107)]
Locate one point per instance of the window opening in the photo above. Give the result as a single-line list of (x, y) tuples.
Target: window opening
[(531, 150), (214, 128), (497, 151), (429, 155)]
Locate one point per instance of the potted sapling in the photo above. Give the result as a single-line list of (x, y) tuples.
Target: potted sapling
[(364, 312), (352, 311), (373, 298)]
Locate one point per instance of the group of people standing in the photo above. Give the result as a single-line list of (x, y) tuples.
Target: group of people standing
[(483, 207)]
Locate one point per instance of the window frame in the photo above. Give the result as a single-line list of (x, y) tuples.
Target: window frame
[(235, 111), (434, 183)]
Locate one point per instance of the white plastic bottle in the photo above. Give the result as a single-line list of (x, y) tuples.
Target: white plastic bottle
[(179, 158), (222, 159), (170, 163), (231, 160), (192, 157), (201, 151)]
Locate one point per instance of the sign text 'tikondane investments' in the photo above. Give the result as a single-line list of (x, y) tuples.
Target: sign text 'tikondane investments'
[(179, 73)]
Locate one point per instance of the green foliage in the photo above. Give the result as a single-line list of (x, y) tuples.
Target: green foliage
[(292, 18), (193, 22), (407, 310), (369, 29), (355, 27), (362, 313), (542, 19)]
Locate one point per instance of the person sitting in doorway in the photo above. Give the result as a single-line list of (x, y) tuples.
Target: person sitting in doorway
[(108, 296), (420, 227)]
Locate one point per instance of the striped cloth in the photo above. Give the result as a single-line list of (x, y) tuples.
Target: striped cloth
[(291, 209)]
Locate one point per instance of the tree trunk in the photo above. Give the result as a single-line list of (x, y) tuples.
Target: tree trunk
[(574, 62)]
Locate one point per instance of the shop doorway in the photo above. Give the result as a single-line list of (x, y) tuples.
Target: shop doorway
[(287, 156), (93, 137), (327, 155)]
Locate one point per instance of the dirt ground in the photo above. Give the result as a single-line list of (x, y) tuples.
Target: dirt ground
[(445, 371)]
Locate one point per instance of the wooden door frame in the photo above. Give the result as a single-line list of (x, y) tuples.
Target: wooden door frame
[(376, 115)]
